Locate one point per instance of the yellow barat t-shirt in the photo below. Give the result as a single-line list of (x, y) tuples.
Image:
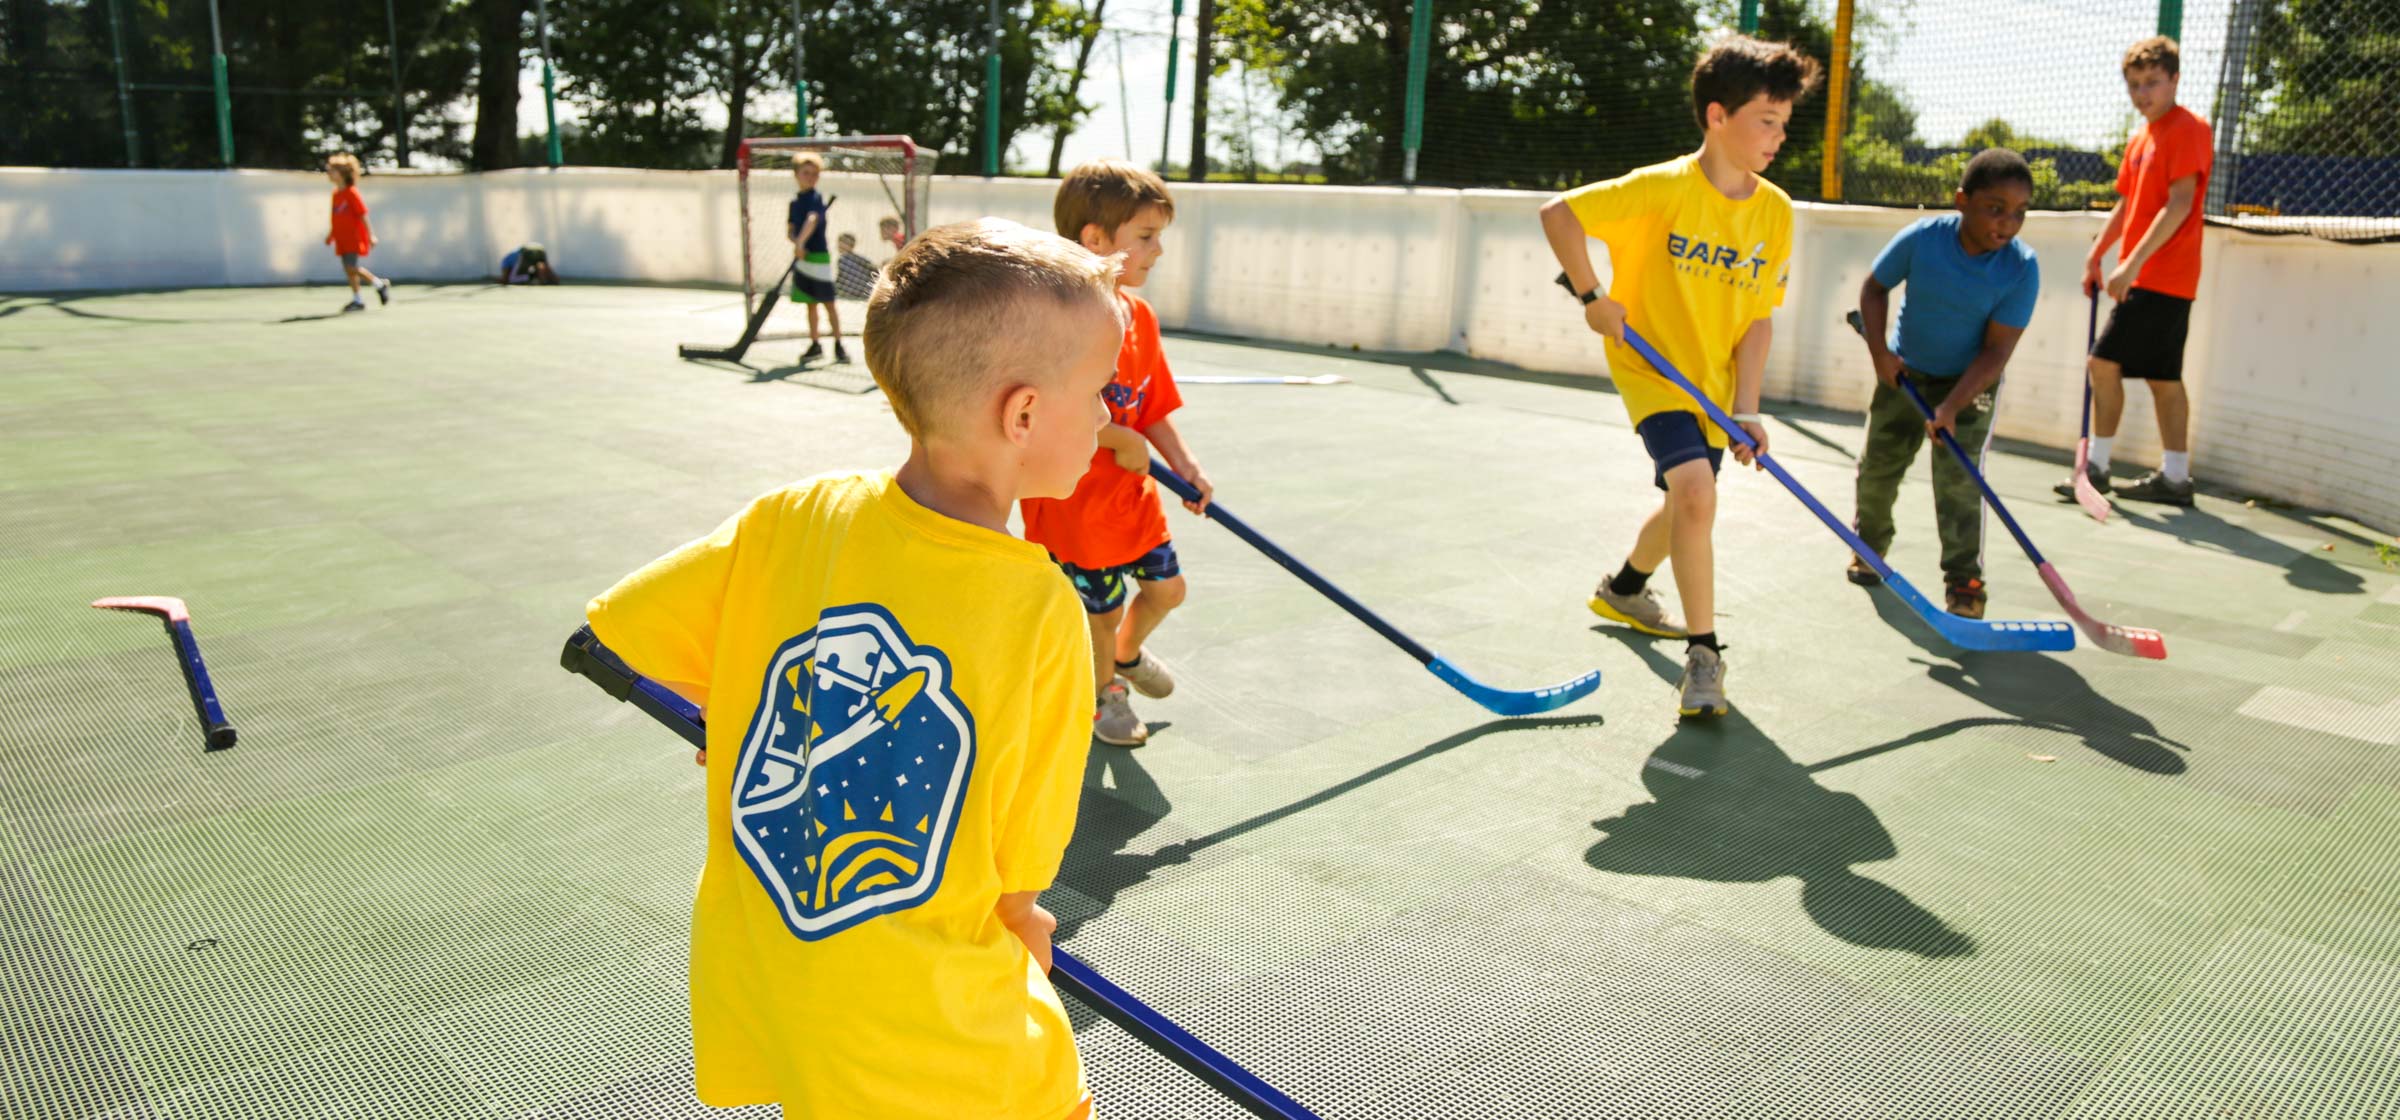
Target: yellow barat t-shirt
[(1694, 270), (899, 707)]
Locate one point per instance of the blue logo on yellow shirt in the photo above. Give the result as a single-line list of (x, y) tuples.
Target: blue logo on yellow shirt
[(1724, 263), (851, 773)]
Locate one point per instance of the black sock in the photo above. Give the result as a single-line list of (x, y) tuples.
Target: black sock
[(1708, 639), (1129, 664), (1629, 580)]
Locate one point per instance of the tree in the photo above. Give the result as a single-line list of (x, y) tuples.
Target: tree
[(635, 73), (499, 59), (1085, 30), (916, 67), (2322, 75)]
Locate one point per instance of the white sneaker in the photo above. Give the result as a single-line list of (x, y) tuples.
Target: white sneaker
[(1149, 676), (1115, 723)]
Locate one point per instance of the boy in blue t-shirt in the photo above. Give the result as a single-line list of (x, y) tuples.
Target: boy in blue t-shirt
[(1971, 287), (812, 266)]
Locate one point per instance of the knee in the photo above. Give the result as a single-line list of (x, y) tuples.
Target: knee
[(1163, 595), (1692, 494), (1104, 625), (2105, 372)]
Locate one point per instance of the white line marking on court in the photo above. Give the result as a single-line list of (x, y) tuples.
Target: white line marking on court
[(2391, 595), (2291, 622), (1675, 768), (2330, 715)]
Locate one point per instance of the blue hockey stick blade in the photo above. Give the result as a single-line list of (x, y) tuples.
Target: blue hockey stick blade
[(1510, 702), (1977, 634)]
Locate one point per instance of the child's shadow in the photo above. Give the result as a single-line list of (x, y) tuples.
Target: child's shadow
[(1729, 806), (2304, 570), (2031, 690)]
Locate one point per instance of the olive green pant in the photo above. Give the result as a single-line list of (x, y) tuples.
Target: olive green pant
[(1895, 430)]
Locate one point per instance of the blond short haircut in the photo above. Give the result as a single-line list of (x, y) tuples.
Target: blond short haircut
[(974, 306), (1107, 193), (345, 165), (808, 159), (2158, 51)]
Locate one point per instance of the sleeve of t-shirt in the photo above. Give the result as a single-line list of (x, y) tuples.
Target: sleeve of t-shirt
[(1607, 209), (663, 618), (2187, 151), (1037, 816), (1892, 264), (2016, 308)]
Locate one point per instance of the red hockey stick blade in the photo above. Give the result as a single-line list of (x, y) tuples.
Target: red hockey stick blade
[(165, 606), (2086, 495)]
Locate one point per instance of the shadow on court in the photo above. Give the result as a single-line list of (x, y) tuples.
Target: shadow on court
[(1121, 803), (2304, 570), (1729, 806)]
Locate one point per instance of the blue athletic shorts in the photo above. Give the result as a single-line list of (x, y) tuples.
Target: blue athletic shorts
[(1103, 589), (1673, 439)]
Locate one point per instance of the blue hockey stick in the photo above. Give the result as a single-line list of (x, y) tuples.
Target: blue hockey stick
[(1501, 701), (215, 732), (585, 656), (1965, 633)]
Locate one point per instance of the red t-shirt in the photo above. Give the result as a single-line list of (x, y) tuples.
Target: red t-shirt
[(2169, 148), (350, 233), (1113, 517)]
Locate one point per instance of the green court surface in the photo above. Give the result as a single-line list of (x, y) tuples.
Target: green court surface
[(441, 878)]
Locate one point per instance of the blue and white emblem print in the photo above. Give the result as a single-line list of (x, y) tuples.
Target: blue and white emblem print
[(852, 772)]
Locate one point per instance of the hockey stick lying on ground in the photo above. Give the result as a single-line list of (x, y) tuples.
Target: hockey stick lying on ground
[(217, 733), (1965, 633), (750, 327), (2131, 641), (1291, 379), (2087, 495), (585, 656), (1501, 701)]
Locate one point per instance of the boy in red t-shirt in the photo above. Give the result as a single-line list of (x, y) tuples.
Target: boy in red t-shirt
[(350, 237), (2161, 183), (1112, 529)]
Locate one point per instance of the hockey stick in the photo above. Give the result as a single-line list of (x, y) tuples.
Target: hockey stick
[(2087, 495), (585, 656), (217, 733), (2132, 641), (1507, 702), (758, 319), (1292, 379), (1965, 633)]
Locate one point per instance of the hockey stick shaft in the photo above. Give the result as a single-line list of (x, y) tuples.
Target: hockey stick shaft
[(586, 657), (216, 733)]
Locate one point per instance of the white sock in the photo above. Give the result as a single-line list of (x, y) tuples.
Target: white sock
[(2101, 446), (2176, 465)]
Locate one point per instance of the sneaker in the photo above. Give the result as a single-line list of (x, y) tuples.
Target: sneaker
[(2157, 487), (840, 356), (1115, 723), (383, 290), (354, 305), (1641, 610), (813, 352), (1966, 599), (1148, 676), (1862, 573), (2091, 471), (1703, 682)]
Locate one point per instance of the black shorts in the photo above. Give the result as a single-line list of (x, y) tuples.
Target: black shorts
[(2145, 335), (1673, 439)]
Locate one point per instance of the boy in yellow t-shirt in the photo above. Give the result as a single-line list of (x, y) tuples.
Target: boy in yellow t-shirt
[(1699, 250), (898, 696)]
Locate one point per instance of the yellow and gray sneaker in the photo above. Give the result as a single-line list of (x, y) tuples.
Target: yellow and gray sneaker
[(1148, 676), (1641, 610), (1703, 682), (1115, 723)]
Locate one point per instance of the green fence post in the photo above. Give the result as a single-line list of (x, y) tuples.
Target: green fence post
[(216, 66), (799, 74), (549, 84), (991, 95), (1420, 37), (116, 46), (2170, 18), (1749, 17), (1166, 131)]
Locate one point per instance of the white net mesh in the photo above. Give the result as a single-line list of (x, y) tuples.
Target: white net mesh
[(876, 190)]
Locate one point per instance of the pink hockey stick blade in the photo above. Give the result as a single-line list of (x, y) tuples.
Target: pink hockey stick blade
[(2090, 498), (166, 606), (2132, 641)]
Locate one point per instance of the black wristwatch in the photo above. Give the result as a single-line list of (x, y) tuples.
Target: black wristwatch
[(1588, 298)]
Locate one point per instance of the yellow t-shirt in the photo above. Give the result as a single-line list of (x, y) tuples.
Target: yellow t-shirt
[(1694, 270), (899, 706)]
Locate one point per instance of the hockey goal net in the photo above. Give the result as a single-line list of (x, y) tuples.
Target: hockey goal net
[(873, 191)]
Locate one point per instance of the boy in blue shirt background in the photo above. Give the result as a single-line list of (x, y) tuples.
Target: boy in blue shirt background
[(1971, 288)]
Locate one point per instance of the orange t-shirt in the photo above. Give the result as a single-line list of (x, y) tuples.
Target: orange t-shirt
[(1113, 517), (350, 233), (2169, 148)]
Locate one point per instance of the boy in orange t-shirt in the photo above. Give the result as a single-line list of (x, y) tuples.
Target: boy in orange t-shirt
[(2161, 182), (1111, 529), (350, 237)]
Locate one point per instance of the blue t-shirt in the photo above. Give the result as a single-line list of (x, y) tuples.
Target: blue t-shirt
[(1952, 296), (806, 203)]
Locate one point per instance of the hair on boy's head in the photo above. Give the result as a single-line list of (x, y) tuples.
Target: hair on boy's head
[(972, 306), (1740, 68), (846, 242), (808, 160), (345, 165), (1107, 193), (888, 222), (2158, 51), (1992, 167)]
